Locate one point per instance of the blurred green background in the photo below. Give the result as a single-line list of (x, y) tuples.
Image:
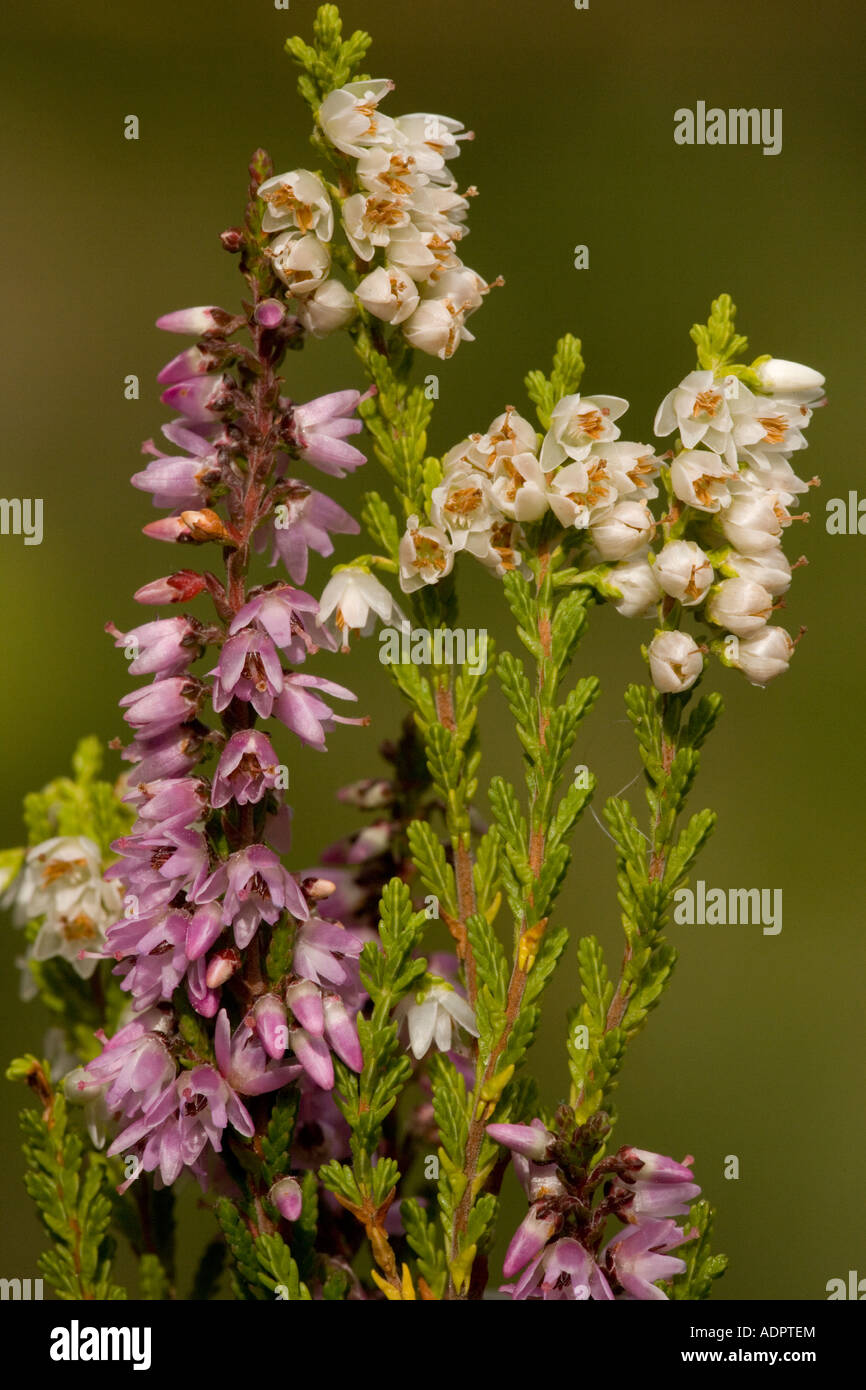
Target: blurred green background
[(757, 1050)]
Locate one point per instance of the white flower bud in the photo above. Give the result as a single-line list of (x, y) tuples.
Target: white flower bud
[(675, 662), (741, 606), (635, 581), (752, 522), (783, 377), (623, 530), (683, 571), (765, 655), (328, 308), (389, 294), (772, 569), (436, 327), (301, 262)]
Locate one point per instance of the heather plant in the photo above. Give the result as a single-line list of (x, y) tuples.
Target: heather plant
[(349, 1096)]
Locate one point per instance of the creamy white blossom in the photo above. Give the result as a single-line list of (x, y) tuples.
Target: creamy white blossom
[(581, 493), (700, 479), (576, 423), (684, 571), (328, 308), (388, 293), (426, 555), (356, 599), (639, 590), (463, 506), (772, 569), (437, 327), (431, 1015), (699, 410), (675, 662), (740, 605), (790, 380), (766, 655), (519, 487), (351, 120), (298, 199), (624, 529), (301, 262), (754, 521), (61, 882)]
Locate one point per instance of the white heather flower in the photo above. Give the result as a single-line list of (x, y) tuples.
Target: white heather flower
[(62, 882), (507, 435), (772, 569), (395, 173), (462, 286), (440, 210), (504, 553), (420, 254), (430, 1016), (581, 493), (740, 605), (700, 479), (790, 379), (356, 600), (754, 521), (369, 222), (388, 293), (776, 475), (436, 136), (624, 529), (684, 572), (632, 468), (462, 506), (698, 409), (437, 327), (675, 662), (328, 308), (578, 422), (301, 262), (520, 487), (298, 199), (765, 655), (636, 582), (768, 427), (426, 555), (350, 118)]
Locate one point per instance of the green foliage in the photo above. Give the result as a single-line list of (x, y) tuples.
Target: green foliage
[(564, 379), (330, 61), (78, 805), (719, 345), (74, 1197), (423, 1240), (702, 1266)]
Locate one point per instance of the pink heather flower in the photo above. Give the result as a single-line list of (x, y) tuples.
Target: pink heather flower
[(256, 888), (198, 398), (342, 1032), (165, 647), (160, 960), (326, 953), (305, 714), (158, 865), (247, 769), (190, 362), (244, 1063), (179, 587), (277, 609), (204, 1000), (532, 1141), (314, 1056), (156, 708), (171, 754), (172, 802), (304, 998), (563, 1271), (203, 319), (637, 1257), (248, 669), (178, 483), (320, 428), (302, 523), (169, 529), (652, 1167), (287, 1197), (268, 1018), (528, 1241), (205, 927), (135, 1065)]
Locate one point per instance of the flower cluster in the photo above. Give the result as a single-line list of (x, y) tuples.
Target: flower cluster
[(61, 889), (402, 217), (732, 489), (559, 1249)]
